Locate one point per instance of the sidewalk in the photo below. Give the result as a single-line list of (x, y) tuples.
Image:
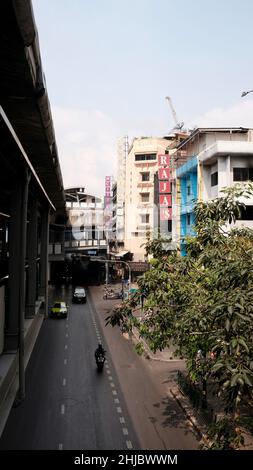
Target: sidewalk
[(9, 365), (105, 308)]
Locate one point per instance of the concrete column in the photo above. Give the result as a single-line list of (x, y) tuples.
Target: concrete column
[(43, 289), (12, 318), (223, 173), (16, 294), (32, 248)]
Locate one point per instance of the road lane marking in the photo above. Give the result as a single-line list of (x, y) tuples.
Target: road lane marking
[(110, 380), (60, 446), (65, 361), (64, 382), (67, 335), (66, 346), (62, 409)]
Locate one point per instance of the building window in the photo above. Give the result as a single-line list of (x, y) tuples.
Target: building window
[(144, 197), (145, 176), (145, 156), (144, 218), (188, 219), (247, 213), (188, 190), (169, 226), (214, 179), (242, 174)]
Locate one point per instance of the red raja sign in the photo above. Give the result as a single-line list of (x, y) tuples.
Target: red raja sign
[(166, 213), (164, 187), (165, 200), (164, 173), (163, 160)]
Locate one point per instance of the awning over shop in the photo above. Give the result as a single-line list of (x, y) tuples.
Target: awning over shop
[(121, 254), (138, 266)]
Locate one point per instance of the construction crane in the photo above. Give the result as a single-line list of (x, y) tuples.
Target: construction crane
[(178, 125)]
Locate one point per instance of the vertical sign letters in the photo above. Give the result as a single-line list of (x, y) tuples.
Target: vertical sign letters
[(164, 177)]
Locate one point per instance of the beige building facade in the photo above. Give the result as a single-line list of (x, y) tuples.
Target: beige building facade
[(141, 212)]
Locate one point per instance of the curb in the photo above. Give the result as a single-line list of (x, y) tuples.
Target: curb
[(200, 429), (148, 352), (175, 392)]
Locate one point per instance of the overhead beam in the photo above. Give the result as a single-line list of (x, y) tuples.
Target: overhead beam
[(24, 156)]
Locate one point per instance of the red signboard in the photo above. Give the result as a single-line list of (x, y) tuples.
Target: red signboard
[(163, 160), (165, 200), (164, 173), (164, 187), (166, 213)]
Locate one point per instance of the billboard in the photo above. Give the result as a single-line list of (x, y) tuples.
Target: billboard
[(165, 213), (165, 166), (108, 204)]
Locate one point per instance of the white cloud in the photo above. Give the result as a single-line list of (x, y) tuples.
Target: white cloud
[(238, 115), (87, 143)]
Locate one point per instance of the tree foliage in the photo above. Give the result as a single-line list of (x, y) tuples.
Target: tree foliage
[(204, 301)]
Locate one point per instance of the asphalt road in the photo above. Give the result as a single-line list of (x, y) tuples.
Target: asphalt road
[(69, 405), (159, 422)]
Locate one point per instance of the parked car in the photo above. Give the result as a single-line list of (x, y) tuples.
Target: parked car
[(79, 295), (59, 309)]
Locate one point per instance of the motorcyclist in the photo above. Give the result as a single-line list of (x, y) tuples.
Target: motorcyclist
[(100, 351)]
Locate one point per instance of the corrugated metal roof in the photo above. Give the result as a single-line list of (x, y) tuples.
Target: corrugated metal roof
[(24, 97)]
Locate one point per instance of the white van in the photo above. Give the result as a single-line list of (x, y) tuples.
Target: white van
[(79, 295)]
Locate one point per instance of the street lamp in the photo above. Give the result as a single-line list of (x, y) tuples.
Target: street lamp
[(244, 93)]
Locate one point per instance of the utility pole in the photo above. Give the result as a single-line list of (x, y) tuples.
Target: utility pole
[(107, 264)]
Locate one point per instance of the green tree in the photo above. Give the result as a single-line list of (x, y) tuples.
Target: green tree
[(204, 301)]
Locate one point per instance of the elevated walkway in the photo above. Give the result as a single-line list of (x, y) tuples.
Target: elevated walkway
[(9, 363)]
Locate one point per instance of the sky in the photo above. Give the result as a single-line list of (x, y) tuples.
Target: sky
[(110, 63)]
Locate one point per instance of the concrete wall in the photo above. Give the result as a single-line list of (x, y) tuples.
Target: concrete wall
[(224, 166), (2, 317)]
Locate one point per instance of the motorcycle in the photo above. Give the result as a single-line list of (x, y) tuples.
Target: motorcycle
[(112, 295), (100, 359)]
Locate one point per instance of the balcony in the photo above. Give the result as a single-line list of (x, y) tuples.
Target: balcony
[(144, 205), (80, 244), (224, 148), (143, 227), (145, 184)]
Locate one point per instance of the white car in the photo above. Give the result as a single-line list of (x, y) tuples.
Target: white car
[(59, 309), (79, 295)]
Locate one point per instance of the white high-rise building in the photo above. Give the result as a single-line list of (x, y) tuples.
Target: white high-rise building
[(122, 151)]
